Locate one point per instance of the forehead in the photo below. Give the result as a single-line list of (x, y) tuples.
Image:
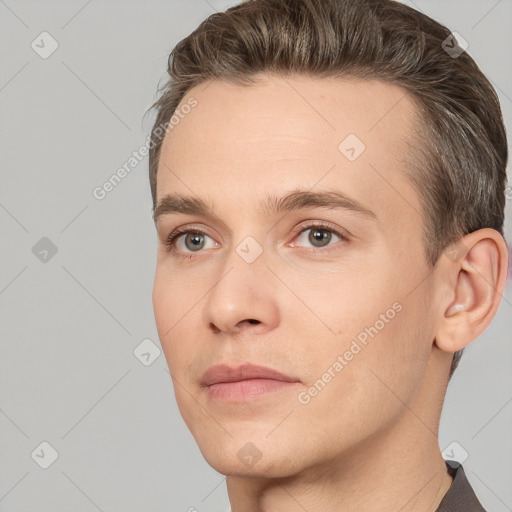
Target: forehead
[(282, 110), (296, 132)]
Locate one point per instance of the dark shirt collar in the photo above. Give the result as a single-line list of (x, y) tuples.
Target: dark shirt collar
[(460, 496)]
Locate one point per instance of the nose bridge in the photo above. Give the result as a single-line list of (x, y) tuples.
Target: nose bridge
[(243, 290)]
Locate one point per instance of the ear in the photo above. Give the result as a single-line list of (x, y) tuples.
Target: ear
[(475, 271)]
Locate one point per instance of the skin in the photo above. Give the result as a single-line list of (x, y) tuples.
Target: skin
[(368, 440)]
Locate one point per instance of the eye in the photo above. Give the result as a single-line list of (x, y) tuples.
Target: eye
[(189, 241), (318, 235)]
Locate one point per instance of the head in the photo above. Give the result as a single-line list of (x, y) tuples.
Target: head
[(298, 104)]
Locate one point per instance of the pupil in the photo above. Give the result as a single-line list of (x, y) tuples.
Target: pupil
[(317, 236), (194, 241)]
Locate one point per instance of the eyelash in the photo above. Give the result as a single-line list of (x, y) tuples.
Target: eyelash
[(176, 234), (170, 241)]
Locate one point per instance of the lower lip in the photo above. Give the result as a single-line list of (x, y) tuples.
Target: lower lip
[(246, 389)]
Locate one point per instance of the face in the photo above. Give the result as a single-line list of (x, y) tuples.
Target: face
[(299, 249)]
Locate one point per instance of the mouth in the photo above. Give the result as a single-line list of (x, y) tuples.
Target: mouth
[(246, 382)]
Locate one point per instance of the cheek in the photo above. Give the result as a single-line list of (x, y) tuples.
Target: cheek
[(168, 300), (353, 385), (163, 304), (174, 295), (341, 301), (171, 307), (377, 327), (395, 348), (178, 302)]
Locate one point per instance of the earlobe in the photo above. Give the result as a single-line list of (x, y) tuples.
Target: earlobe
[(477, 280)]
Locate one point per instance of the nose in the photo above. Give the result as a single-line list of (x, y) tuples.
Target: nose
[(242, 298)]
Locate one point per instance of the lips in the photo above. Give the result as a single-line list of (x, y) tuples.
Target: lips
[(245, 383), (225, 374)]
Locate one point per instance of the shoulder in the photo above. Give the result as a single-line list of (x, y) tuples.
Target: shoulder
[(460, 496)]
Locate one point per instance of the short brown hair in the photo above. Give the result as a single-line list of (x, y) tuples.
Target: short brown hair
[(458, 164)]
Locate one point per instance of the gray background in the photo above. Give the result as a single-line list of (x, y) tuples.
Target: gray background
[(69, 325)]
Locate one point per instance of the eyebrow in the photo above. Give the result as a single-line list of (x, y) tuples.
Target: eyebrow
[(271, 205)]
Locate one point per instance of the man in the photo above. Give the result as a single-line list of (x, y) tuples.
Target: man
[(328, 187)]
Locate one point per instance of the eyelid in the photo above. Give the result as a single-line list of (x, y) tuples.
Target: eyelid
[(321, 224), (193, 227), (170, 240)]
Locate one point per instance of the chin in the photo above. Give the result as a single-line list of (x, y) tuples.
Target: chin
[(261, 458), (282, 468)]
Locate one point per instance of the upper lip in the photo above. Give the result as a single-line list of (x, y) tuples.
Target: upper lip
[(225, 373)]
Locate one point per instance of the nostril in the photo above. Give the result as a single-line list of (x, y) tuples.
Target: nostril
[(214, 327), (239, 325)]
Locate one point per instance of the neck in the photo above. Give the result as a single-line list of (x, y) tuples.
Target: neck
[(399, 468), (385, 474)]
